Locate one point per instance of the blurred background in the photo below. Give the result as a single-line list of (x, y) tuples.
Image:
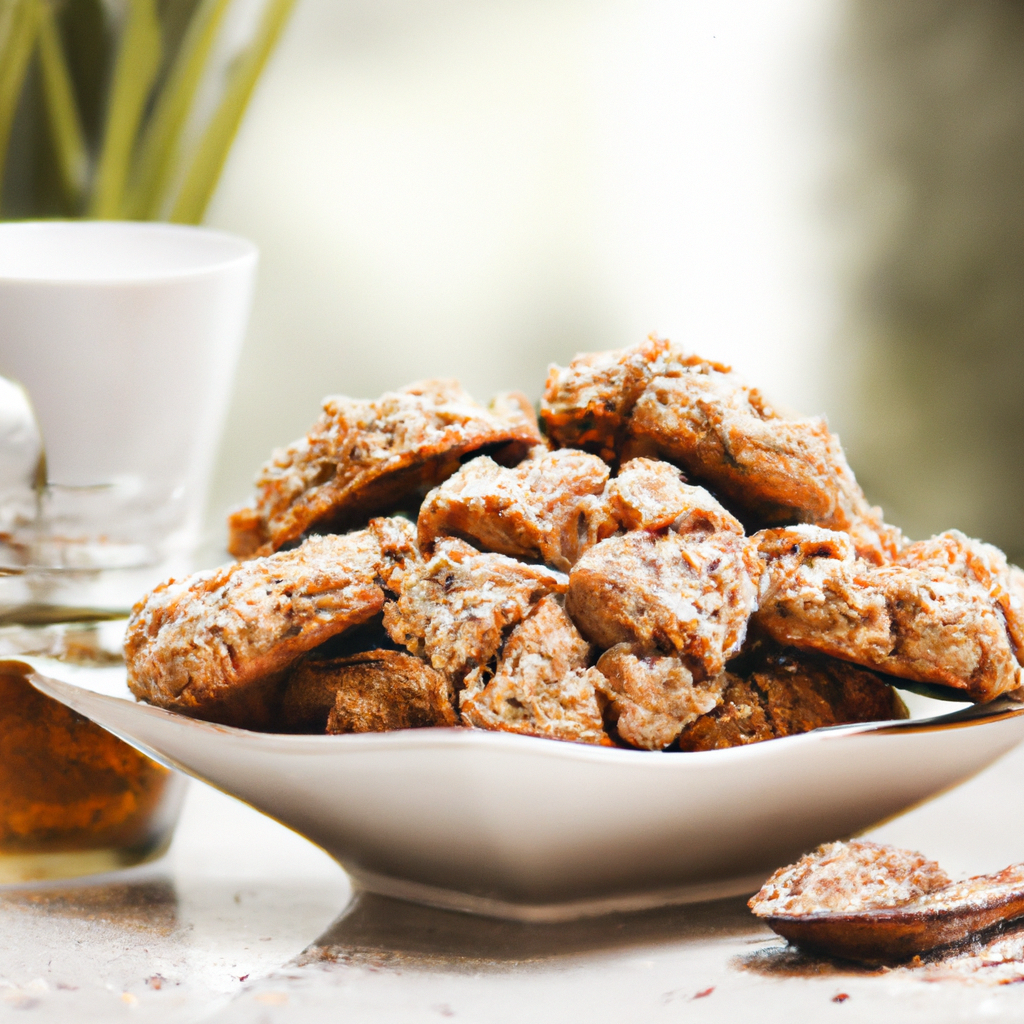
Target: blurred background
[(824, 193)]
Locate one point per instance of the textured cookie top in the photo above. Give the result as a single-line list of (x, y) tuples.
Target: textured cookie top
[(541, 685), (652, 399), (212, 644), (365, 457), (587, 404), (980, 563), (842, 878), (652, 698), (670, 593), (918, 621), (549, 508), (455, 609)]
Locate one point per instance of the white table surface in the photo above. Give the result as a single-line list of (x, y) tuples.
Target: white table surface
[(244, 921)]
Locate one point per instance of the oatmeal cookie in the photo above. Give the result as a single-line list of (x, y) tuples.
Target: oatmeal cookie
[(587, 403), (981, 563), (541, 685), (653, 400), (549, 508), (686, 594), (648, 494), (921, 623), (366, 457), (370, 691), (455, 610), (785, 692), (399, 552), (217, 644), (652, 698), (771, 468)]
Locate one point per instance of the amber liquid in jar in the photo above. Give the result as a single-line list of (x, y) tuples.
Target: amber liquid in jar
[(74, 799)]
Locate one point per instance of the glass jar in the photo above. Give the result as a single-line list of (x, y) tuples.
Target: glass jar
[(74, 799)]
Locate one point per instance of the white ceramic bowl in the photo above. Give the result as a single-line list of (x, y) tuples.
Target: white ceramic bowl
[(540, 830)]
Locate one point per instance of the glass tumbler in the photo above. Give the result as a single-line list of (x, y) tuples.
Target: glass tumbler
[(118, 345)]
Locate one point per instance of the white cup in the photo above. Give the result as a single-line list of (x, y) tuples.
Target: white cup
[(125, 337)]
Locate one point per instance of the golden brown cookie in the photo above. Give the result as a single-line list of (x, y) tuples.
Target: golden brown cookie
[(541, 685), (587, 404), (366, 457), (686, 594), (925, 624), (399, 551), (787, 692), (549, 508), (981, 563), (654, 400), (455, 609), (772, 468), (217, 644), (648, 494), (652, 698)]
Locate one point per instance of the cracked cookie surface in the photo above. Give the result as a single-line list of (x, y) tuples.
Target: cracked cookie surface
[(541, 685), (216, 645), (922, 623), (456, 609), (365, 457), (549, 508), (687, 594)]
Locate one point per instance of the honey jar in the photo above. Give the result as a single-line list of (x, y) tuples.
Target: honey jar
[(74, 799)]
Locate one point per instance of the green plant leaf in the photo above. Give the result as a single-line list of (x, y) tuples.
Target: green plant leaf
[(161, 138), (61, 108), (19, 21), (208, 161), (135, 70)]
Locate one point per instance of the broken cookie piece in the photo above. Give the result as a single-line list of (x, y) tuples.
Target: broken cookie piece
[(217, 644), (455, 609), (652, 698), (541, 685), (878, 904), (372, 691), (549, 508), (784, 692), (981, 563), (587, 403), (362, 458), (648, 494), (925, 624), (671, 593), (399, 552)]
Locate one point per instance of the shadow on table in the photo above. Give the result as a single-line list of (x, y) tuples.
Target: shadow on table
[(379, 931), (784, 961), (149, 903)]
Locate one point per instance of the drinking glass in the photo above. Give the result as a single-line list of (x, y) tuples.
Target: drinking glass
[(118, 344), (124, 337)]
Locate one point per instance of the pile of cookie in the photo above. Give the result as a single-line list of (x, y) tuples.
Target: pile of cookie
[(663, 561)]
